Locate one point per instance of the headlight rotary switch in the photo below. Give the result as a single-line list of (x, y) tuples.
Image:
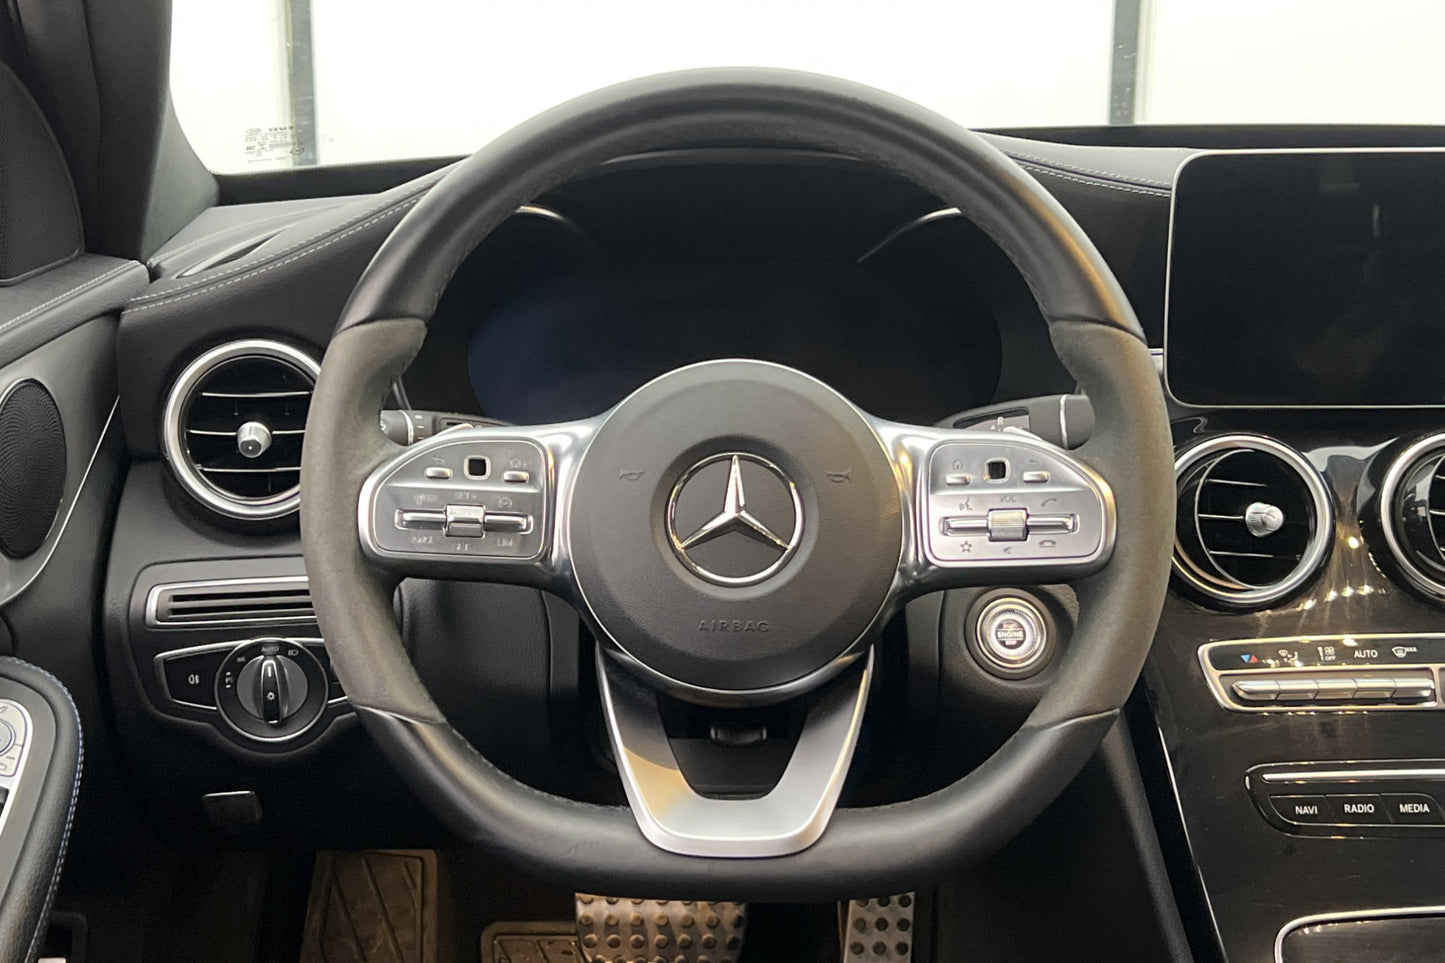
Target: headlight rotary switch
[(272, 688)]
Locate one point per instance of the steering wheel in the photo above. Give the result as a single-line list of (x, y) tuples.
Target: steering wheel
[(736, 533)]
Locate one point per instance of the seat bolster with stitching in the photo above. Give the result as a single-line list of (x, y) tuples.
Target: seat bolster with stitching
[(45, 811)]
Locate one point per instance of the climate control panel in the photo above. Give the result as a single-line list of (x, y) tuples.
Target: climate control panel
[(1335, 672)]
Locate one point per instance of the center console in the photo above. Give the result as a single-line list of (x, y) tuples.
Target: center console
[(1296, 677)]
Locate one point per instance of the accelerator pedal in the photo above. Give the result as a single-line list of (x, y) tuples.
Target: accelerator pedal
[(615, 930), (879, 930)]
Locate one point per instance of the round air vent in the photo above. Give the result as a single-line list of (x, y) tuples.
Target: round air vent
[(1254, 519), (1412, 513), (234, 422)]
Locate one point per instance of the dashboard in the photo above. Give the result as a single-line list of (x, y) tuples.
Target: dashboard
[(586, 296), (1288, 728)]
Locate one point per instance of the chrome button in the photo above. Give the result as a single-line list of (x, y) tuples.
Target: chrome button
[(1008, 525), (465, 521)]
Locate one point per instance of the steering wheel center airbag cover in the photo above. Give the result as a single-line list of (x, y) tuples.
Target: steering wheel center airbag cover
[(750, 612)]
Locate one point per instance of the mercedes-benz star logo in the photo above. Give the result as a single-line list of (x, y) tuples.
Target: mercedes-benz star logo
[(755, 533)]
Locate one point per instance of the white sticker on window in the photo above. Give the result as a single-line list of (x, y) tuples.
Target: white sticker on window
[(270, 144)]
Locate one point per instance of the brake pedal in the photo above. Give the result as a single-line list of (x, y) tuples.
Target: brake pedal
[(615, 930), (881, 929)]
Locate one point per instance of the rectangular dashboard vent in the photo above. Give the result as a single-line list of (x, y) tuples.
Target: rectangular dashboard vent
[(240, 601)]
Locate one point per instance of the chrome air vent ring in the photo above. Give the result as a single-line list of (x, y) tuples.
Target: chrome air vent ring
[(1254, 520), (1412, 513), (218, 409)]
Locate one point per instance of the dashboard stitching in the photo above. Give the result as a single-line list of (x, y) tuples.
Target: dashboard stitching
[(1095, 182), (216, 286), (379, 213), (1113, 176), (73, 291), (289, 215)]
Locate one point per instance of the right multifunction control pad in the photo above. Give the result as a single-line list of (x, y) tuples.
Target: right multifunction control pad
[(1010, 502), (480, 498)]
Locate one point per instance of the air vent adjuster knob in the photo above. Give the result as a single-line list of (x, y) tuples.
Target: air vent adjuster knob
[(253, 439)]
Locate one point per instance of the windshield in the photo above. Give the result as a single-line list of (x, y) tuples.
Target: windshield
[(265, 84)]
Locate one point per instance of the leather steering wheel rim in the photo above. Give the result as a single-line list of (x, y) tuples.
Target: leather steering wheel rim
[(870, 850)]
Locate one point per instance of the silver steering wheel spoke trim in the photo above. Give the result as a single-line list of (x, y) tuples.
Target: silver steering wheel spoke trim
[(985, 507), (788, 819)]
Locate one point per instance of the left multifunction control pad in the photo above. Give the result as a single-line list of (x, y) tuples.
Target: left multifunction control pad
[(482, 498)]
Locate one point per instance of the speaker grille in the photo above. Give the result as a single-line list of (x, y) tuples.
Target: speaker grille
[(32, 468)]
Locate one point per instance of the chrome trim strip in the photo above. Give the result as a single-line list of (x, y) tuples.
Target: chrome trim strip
[(153, 597), (789, 819), (1345, 775), (1346, 916), (1254, 596), (1189, 842), (173, 430), (942, 214), (1169, 271), (1386, 505), (557, 217)]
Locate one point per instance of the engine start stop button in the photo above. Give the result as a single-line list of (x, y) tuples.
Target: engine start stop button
[(1012, 634)]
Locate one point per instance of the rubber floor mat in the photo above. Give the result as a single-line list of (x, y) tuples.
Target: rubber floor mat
[(531, 943), (372, 907)]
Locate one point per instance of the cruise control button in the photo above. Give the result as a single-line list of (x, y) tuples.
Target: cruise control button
[(516, 522), (1413, 808), (1358, 810), (1301, 809), (425, 521), (465, 521)]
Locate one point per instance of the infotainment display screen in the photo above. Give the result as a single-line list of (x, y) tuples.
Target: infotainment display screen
[(1308, 279)]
